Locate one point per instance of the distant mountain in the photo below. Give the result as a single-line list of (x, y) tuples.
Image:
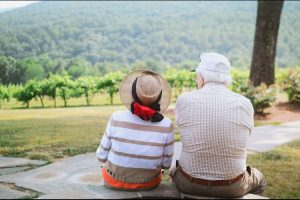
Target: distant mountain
[(124, 32)]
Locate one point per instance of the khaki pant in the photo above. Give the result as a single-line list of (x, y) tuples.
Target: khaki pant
[(252, 181)]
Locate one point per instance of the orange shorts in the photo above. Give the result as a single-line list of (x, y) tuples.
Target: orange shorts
[(129, 186)]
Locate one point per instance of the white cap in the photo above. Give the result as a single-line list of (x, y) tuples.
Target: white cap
[(214, 62), (214, 67)]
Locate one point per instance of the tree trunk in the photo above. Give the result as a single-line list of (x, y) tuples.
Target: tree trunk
[(54, 101), (0, 103), (42, 102), (87, 99), (65, 100), (27, 104), (111, 98), (264, 50)]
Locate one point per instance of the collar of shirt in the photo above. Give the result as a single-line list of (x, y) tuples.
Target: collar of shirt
[(214, 85)]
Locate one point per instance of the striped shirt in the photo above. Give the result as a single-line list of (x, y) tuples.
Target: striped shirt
[(214, 124), (135, 149)]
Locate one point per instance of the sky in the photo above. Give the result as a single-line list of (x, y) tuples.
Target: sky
[(13, 4)]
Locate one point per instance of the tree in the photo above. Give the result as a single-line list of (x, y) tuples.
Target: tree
[(77, 67), (180, 80), (25, 94), (31, 69), (88, 87), (4, 94), (7, 70), (110, 84), (65, 86), (38, 89), (264, 50), (51, 85), (46, 63)]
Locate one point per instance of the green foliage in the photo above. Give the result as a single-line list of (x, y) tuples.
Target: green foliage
[(65, 86), (87, 87), (261, 97), (290, 82), (8, 70), (180, 80), (25, 94), (239, 82), (32, 69), (110, 84), (130, 35), (4, 94), (77, 68), (38, 89), (52, 84)]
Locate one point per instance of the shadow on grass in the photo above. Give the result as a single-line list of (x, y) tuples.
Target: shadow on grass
[(57, 107)]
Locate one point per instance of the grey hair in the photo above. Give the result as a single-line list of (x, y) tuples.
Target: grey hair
[(211, 76)]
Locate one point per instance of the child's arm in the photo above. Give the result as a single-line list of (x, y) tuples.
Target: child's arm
[(104, 147), (168, 151)]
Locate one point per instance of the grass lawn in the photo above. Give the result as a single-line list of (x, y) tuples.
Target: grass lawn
[(281, 169), (50, 134)]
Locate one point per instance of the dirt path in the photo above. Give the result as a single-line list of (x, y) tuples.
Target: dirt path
[(280, 112)]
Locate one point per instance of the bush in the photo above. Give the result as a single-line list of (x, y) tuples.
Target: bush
[(239, 80), (291, 85), (4, 94), (261, 97)]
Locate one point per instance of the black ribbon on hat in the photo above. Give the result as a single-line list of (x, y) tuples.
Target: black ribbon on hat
[(146, 113)]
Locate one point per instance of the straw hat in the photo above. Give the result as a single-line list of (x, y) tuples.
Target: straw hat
[(148, 87)]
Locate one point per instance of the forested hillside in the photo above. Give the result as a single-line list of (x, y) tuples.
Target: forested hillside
[(105, 36)]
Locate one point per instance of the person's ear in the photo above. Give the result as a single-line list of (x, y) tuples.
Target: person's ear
[(200, 81)]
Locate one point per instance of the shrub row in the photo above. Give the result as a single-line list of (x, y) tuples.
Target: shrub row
[(64, 87)]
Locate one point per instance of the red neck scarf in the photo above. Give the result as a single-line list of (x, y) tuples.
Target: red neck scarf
[(147, 113)]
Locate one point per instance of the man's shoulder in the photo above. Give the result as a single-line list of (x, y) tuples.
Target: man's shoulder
[(239, 97), (241, 100), (187, 95)]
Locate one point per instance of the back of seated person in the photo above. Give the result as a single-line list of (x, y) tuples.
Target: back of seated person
[(214, 125), (138, 143)]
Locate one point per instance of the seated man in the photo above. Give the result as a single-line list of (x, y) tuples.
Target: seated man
[(138, 143), (214, 124)]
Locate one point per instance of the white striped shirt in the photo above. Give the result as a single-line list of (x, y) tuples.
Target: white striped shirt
[(214, 124), (132, 144)]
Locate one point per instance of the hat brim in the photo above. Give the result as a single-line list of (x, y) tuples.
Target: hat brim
[(125, 90)]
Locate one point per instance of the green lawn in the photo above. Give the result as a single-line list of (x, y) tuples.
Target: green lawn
[(52, 133), (281, 168)]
